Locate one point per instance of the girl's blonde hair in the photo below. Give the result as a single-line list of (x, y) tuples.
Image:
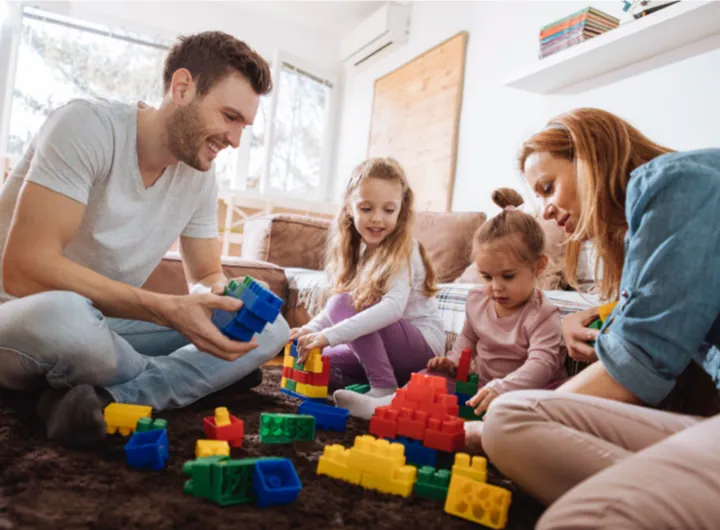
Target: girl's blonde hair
[(520, 231), (367, 280), (605, 150)]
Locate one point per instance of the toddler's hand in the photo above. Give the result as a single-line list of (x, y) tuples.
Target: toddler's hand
[(481, 401), (443, 365), (309, 342), (296, 333)]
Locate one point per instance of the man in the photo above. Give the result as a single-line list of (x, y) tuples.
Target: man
[(101, 193)]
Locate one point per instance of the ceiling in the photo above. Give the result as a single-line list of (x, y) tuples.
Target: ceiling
[(333, 17)]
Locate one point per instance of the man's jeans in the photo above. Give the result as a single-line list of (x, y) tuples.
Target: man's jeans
[(59, 338)]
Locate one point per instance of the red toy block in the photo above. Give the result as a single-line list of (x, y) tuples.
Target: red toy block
[(448, 436), (287, 372), (444, 405), (233, 433), (412, 423), (322, 379), (383, 424), (301, 377), (463, 370)]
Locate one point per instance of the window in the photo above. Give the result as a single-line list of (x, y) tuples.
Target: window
[(61, 59)]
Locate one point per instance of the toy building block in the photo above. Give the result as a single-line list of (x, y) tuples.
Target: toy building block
[(360, 389), (373, 464), (478, 502), (291, 349), (221, 480), (605, 310), (412, 423), (288, 361), (149, 449), (448, 435), (148, 424), (431, 483), (463, 370), (311, 391), (275, 482), (286, 428), (232, 433), (123, 418), (321, 378), (300, 377), (204, 448), (288, 384), (314, 363), (463, 398), (222, 417), (416, 454), (475, 469), (469, 387), (384, 422), (260, 306), (326, 416), (301, 397), (468, 413)]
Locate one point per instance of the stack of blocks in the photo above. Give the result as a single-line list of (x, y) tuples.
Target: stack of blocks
[(224, 426), (370, 463), (466, 386), (148, 447), (267, 481), (305, 381), (423, 417), (260, 306)]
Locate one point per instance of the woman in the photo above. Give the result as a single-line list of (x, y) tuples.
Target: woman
[(590, 448)]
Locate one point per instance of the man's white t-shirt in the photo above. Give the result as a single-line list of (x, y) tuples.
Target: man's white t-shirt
[(87, 150)]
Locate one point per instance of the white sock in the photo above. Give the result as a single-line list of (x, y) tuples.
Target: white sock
[(362, 405), (380, 392)]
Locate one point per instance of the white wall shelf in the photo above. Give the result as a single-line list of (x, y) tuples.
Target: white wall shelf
[(636, 40)]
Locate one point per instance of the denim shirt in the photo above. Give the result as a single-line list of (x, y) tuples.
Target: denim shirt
[(667, 315)]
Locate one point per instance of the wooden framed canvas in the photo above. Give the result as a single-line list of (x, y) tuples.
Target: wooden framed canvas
[(415, 119)]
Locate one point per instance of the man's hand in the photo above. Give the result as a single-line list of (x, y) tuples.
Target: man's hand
[(443, 365), (191, 316), (577, 335), (309, 342)]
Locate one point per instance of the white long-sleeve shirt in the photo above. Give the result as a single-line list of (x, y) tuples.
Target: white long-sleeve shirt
[(405, 299)]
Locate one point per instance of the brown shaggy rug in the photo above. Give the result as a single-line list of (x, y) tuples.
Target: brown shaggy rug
[(45, 486)]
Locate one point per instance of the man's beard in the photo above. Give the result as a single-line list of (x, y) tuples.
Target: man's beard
[(186, 136)]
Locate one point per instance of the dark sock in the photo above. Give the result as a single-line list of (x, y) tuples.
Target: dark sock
[(74, 417), (250, 381)]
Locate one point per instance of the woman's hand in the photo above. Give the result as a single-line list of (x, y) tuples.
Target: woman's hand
[(308, 343), (443, 365), (577, 335), (481, 401)]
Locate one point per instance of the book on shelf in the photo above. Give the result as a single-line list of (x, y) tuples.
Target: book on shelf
[(573, 29)]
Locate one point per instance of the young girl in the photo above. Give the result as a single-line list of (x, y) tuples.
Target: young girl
[(383, 323), (514, 331)]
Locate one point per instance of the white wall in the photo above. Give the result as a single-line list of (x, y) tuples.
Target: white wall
[(170, 18), (677, 104)]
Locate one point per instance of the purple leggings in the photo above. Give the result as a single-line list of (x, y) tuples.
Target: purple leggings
[(384, 358)]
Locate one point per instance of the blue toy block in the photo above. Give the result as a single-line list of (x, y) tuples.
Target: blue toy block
[(326, 416), (237, 331), (293, 348), (462, 398), (301, 397), (149, 449), (417, 454), (261, 302), (275, 482), (247, 319)]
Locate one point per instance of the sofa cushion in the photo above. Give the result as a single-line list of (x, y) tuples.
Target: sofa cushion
[(287, 240), (169, 276), (447, 237)]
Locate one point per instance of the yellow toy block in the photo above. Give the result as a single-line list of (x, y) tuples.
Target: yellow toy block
[(478, 502), (205, 448), (288, 361), (605, 310), (378, 457), (314, 363), (222, 417), (335, 462), (123, 418), (401, 482), (311, 391), (283, 382), (475, 471)]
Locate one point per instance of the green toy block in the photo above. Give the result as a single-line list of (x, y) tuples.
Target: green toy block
[(286, 428), (149, 424), (431, 483), (221, 480), (360, 389), (469, 387), (597, 324), (468, 413), (290, 385)]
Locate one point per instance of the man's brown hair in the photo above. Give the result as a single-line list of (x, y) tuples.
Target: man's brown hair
[(212, 55)]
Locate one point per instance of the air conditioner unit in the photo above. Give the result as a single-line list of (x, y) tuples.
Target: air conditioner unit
[(384, 30)]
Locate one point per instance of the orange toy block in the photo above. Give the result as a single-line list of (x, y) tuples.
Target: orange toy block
[(448, 435), (463, 370), (383, 424)]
